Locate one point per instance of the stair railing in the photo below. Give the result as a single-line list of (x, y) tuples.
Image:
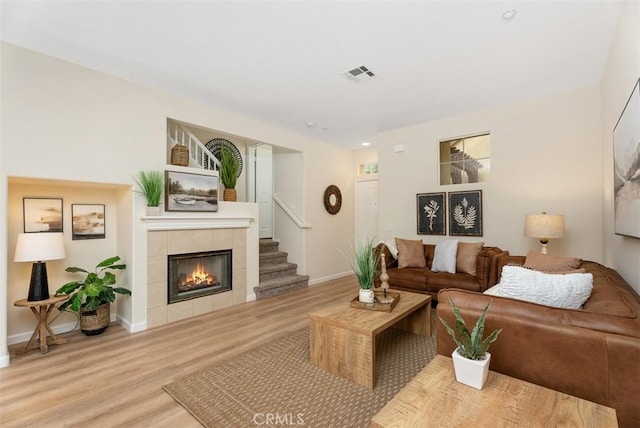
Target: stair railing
[(301, 224), (197, 151)]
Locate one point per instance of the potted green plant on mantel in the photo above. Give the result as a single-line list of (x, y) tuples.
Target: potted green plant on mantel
[(151, 186), (91, 298), (365, 267), (229, 167), (470, 358)]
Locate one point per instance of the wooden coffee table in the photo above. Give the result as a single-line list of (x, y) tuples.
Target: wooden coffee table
[(434, 399), (343, 339)]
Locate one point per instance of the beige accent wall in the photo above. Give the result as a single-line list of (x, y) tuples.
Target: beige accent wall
[(620, 75), (81, 253), (545, 156)]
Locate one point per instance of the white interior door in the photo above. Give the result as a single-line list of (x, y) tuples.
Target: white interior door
[(261, 186), (366, 210)]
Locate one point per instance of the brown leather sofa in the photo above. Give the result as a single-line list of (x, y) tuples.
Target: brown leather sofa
[(592, 353), (423, 280)]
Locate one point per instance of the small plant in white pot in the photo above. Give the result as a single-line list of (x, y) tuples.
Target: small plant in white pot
[(151, 186), (470, 358), (365, 266)]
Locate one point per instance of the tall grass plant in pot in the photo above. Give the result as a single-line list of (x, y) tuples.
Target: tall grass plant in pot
[(151, 186), (365, 267), (471, 359), (229, 167)]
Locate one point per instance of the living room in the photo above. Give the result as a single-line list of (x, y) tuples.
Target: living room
[(75, 133)]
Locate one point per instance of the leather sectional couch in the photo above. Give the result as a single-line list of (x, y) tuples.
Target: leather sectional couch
[(592, 353), (424, 280)]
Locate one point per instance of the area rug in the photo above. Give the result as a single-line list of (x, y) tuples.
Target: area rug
[(275, 384)]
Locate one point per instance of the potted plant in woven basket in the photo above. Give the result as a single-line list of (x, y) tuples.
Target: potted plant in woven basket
[(470, 358), (151, 186), (91, 298), (229, 167)]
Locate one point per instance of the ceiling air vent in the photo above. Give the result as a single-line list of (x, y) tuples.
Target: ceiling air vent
[(358, 74)]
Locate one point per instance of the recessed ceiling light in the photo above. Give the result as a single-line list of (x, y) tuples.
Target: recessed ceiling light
[(366, 143), (509, 14), (311, 125)]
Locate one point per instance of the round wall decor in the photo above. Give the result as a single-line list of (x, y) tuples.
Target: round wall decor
[(332, 199), (215, 146)]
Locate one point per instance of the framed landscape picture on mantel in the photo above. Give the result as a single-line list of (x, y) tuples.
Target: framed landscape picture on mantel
[(465, 213), (431, 213), (190, 192)]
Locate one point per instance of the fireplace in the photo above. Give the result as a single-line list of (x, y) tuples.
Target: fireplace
[(198, 274)]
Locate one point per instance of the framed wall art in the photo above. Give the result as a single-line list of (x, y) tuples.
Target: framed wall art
[(626, 167), (465, 213), (87, 221), (42, 214), (190, 192), (431, 213)]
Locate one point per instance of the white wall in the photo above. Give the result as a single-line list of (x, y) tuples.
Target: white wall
[(288, 185), (4, 352), (545, 156), (66, 122), (620, 75)]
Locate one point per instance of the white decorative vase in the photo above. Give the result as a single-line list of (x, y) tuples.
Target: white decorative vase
[(153, 211), (366, 296), (472, 373)]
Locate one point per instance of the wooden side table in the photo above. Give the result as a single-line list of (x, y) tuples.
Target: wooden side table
[(42, 315)]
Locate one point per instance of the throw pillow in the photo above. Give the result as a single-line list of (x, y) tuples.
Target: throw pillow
[(444, 258), (466, 256), (493, 291), (410, 253), (553, 264), (569, 291), (391, 245)]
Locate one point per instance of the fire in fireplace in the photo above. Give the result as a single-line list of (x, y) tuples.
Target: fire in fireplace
[(198, 274)]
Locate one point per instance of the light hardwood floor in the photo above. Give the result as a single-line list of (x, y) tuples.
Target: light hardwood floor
[(115, 379)]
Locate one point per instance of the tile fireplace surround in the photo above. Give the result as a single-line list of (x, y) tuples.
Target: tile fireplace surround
[(161, 243)]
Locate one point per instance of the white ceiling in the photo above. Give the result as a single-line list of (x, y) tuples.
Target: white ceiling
[(280, 61)]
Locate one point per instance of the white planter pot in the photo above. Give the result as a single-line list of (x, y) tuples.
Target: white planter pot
[(366, 296), (473, 373), (153, 211)]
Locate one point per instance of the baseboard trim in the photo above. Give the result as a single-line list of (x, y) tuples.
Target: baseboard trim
[(132, 328), (5, 360), (251, 297), (318, 281), (57, 329)]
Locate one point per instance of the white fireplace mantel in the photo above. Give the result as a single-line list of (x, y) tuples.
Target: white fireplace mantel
[(186, 223)]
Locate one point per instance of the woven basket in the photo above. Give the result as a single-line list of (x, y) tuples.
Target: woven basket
[(180, 155), (94, 322)]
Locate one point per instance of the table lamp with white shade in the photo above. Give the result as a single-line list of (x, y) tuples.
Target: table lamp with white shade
[(38, 248), (544, 226)]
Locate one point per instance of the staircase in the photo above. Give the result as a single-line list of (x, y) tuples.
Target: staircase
[(277, 276)]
